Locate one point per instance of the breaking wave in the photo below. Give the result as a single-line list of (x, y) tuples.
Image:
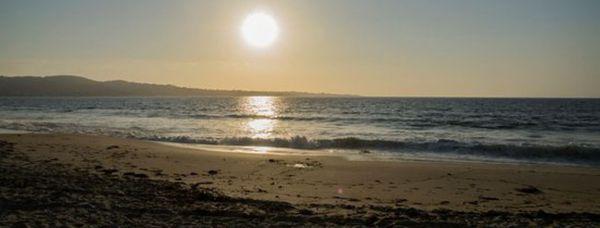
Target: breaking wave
[(543, 153)]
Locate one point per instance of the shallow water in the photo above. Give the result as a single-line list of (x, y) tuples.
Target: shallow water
[(531, 130)]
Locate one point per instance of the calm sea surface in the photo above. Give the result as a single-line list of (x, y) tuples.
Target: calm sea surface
[(512, 130)]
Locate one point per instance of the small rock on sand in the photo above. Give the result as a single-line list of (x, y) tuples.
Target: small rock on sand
[(529, 190), (488, 198), (112, 147)]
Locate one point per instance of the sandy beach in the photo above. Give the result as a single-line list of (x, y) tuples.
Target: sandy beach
[(315, 186)]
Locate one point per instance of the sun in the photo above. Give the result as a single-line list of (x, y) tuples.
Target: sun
[(259, 29)]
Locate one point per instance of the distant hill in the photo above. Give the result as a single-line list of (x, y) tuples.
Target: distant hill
[(67, 85)]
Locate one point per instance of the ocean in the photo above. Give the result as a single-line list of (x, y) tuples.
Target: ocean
[(565, 131)]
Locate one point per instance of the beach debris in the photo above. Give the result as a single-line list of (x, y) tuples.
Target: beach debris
[(194, 185), (112, 147), (445, 202), (96, 200), (300, 165), (109, 171), (397, 201), (346, 198), (213, 172), (474, 202), (488, 198), (306, 164), (157, 172), (365, 151), (138, 175), (193, 174), (278, 161), (529, 190), (305, 212)]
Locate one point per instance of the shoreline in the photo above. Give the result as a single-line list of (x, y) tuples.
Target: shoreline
[(357, 155), (306, 181), (348, 154)]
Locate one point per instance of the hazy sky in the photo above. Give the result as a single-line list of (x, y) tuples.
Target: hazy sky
[(398, 48)]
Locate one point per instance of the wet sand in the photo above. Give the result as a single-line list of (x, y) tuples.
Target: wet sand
[(304, 189)]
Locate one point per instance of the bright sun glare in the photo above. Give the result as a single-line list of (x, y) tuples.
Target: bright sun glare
[(260, 29)]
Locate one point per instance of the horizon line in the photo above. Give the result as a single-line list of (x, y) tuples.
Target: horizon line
[(316, 93)]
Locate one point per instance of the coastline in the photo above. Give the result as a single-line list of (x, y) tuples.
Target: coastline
[(305, 180), (370, 155)]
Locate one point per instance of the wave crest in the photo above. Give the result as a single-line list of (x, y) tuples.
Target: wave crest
[(569, 153)]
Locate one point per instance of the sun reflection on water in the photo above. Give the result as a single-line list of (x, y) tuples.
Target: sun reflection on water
[(263, 109), (260, 128)]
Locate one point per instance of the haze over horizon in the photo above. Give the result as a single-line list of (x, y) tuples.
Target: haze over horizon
[(509, 48)]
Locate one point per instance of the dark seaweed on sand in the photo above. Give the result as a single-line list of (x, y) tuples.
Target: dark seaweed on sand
[(46, 193)]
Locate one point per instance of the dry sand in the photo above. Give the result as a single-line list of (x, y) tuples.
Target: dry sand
[(362, 192)]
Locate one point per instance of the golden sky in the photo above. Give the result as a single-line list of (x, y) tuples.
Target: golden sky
[(380, 48)]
